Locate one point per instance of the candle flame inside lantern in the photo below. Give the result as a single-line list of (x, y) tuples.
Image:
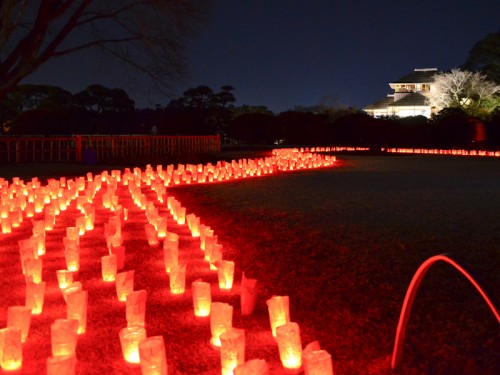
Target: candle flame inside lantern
[(201, 298), (225, 270), (130, 337), (109, 267), (289, 345), (11, 348)]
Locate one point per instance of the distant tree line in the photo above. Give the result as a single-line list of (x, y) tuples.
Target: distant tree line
[(49, 110)]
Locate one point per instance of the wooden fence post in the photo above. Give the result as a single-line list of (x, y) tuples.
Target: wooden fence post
[(78, 146)]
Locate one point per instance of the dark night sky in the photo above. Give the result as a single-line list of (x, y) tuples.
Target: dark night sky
[(283, 53)]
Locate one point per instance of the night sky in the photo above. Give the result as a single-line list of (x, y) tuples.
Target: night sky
[(283, 53)]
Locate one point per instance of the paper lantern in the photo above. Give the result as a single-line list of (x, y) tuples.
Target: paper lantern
[(124, 284), (11, 349), (289, 345), (75, 286), (253, 367), (201, 298), (76, 308), (80, 225), (221, 319), (151, 234), (130, 337), (72, 257), (232, 350), (6, 225), (318, 362), (63, 335), (33, 270), (181, 216), (248, 295), (214, 254), (171, 251), (205, 232), (61, 365), (178, 279), (39, 243), (225, 271), (153, 356), (161, 227), (64, 278), (20, 317), (109, 267), (136, 308), (35, 294), (72, 233), (279, 311)]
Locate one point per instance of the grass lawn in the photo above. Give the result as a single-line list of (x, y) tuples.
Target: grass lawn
[(342, 242)]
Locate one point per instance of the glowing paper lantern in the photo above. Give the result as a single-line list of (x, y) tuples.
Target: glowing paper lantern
[(151, 234), (248, 295), (109, 267), (11, 349), (136, 308), (214, 254), (124, 284), (72, 256), (80, 224), (39, 243), (76, 308), (61, 365), (64, 278), (171, 251), (253, 367), (225, 271), (201, 298), (35, 296), (232, 350), (221, 319), (26, 251), (75, 286), (20, 317), (279, 311), (161, 227), (318, 362), (33, 270), (153, 357), (130, 337), (63, 334), (6, 225), (178, 279), (72, 233), (289, 345)]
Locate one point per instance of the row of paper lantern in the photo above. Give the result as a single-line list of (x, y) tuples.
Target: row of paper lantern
[(53, 204), (455, 152)]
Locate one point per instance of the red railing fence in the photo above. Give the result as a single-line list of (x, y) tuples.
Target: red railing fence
[(101, 147)]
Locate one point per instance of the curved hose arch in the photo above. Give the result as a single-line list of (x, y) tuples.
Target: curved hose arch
[(410, 296)]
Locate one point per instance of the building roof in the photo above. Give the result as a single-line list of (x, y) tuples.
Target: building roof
[(411, 100), (381, 104), (418, 76)]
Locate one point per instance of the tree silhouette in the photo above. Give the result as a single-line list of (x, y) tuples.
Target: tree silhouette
[(484, 57), (148, 36)]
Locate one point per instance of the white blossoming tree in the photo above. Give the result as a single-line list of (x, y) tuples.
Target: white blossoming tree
[(470, 91)]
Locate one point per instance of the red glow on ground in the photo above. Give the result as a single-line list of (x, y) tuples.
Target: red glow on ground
[(134, 196)]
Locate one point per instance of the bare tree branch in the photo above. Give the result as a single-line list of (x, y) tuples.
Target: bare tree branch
[(146, 35)]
